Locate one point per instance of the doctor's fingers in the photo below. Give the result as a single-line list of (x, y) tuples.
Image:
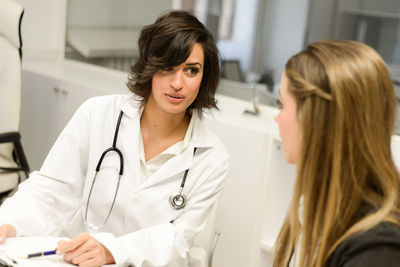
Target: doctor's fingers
[(91, 249), (69, 246), (89, 259), (61, 243), (6, 230), (90, 263)]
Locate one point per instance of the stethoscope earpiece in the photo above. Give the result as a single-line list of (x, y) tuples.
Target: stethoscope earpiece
[(177, 200)]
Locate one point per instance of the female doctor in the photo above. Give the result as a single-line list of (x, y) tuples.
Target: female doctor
[(132, 178)]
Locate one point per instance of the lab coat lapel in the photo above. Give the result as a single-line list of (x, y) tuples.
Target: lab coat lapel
[(201, 138), (174, 166), (129, 142), (130, 145)]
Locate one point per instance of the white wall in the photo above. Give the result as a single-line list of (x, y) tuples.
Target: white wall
[(320, 20), (44, 21), (282, 33), (242, 43), (43, 29), (280, 36), (116, 13)]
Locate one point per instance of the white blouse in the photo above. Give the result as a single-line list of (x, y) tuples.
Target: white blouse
[(148, 168)]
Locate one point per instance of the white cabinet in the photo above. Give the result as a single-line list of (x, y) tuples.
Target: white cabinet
[(257, 173), (40, 116), (51, 93), (278, 189)]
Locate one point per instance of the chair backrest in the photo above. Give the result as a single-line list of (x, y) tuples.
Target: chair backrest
[(10, 64), (11, 13)]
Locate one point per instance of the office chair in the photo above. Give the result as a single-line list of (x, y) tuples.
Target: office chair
[(12, 158)]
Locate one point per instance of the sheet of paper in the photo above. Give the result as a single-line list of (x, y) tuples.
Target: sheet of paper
[(17, 247)]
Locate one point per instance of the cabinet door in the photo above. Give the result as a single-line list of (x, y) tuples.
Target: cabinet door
[(277, 193), (74, 94), (40, 113), (47, 106), (238, 207)]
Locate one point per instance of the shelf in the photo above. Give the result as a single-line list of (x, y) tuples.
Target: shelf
[(372, 13), (92, 43), (91, 76)]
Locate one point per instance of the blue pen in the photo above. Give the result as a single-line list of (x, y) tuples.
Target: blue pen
[(39, 254)]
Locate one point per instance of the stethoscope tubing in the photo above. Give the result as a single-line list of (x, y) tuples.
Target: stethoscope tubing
[(174, 198), (121, 172), (121, 159)]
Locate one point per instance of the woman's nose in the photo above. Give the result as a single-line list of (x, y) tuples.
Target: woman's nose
[(177, 80), (277, 118)]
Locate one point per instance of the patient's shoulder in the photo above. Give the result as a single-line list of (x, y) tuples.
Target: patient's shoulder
[(376, 247)]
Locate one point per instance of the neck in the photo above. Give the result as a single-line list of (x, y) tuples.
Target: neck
[(156, 123)]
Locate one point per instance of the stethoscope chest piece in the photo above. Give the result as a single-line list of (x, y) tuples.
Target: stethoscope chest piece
[(177, 200)]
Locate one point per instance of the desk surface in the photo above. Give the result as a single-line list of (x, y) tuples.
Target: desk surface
[(92, 43), (17, 247)]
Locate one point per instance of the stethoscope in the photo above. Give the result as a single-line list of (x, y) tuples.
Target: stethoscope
[(177, 200)]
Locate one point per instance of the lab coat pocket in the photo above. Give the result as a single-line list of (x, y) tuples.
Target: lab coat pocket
[(149, 209)]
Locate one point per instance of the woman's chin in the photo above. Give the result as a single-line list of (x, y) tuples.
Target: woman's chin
[(291, 159)]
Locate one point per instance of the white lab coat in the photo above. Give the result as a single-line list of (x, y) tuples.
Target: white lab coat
[(139, 231)]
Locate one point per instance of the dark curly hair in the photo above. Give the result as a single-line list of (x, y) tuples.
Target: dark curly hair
[(168, 43)]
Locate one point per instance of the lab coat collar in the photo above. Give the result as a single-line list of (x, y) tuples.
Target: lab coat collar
[(201, 135), (131, 107), (201, 138), (168, 170)]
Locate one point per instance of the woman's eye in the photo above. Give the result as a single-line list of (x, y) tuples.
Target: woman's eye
[(192, 71), (279, 104)]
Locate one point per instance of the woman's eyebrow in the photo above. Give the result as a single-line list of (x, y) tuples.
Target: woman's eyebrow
[(193, 64)]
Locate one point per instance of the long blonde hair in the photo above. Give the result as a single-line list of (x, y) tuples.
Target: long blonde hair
[(345, 174)]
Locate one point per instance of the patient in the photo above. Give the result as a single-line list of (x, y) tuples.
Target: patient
[(336, 121)]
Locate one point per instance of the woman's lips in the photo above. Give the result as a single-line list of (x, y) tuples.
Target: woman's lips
[(178, 96), (175, 98)]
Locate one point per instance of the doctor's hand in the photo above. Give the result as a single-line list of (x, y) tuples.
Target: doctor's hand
[(85, 251), (6, 230)]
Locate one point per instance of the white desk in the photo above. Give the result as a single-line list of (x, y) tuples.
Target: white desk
[(16, 247), (92, 43)]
